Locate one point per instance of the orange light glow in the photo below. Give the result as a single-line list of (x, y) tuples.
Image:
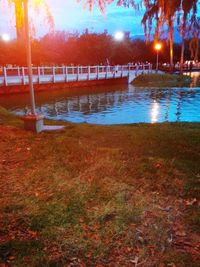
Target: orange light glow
[(158, 46), (39, 7)]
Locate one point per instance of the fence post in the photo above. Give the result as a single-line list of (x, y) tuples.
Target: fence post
[(23, 76), (88, 73), (97, 68), (128, 69), (66, 75), (5, 76), (136, 70), (77, 73), (18, 71), (39, 75), (53, 71)]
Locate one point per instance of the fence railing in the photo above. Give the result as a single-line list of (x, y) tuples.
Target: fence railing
[(46, 74)]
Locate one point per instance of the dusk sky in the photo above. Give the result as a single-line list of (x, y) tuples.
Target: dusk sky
[(71, 16)]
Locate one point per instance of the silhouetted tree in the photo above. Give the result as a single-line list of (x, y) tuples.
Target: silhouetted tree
[(187, 7)]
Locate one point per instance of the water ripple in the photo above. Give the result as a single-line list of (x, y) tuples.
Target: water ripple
[(114, 105)]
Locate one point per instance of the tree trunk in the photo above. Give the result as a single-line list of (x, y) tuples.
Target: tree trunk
[(194, 48), (171, 44), (196, 57), (182, 49)]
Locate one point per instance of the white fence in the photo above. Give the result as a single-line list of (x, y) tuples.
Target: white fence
[(43, 75)]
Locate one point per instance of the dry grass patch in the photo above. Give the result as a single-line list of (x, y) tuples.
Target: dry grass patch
[(100, 196)]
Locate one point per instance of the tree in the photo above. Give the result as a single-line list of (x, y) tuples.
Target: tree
[(195, 32), (186, 7), (19, 15), (103, 3), (169, 9), (164, 11)]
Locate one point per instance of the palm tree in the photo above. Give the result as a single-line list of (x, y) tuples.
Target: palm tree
[(152, 12), (164, 11), (186, 7), (194, 30), (19, 15), (169, 9), (19, 19), (103, 3)]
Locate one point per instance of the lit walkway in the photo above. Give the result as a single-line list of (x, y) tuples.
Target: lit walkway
[(65, 74)]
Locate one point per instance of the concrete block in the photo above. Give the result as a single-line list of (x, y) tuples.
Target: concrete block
[(34, 122)]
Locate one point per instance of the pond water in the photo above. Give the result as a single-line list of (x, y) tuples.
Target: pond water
[(120, 104)]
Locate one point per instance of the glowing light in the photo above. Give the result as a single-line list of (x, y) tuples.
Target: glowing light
[(5, 37), (158, 46), (39, 11), (154, 112), (119, 36)]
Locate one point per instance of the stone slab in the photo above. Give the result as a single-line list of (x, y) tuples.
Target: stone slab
[(53, 127)]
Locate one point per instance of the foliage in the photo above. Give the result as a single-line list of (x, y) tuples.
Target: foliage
[(165, 13), (38, 6), (90, 48)]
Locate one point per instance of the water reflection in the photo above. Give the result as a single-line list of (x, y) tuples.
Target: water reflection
[(195, 75), (113, 105), (154, 112)]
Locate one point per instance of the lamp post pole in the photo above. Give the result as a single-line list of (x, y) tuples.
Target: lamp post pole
[(157, 61), (32, 122), (158, 46), (29, 60)]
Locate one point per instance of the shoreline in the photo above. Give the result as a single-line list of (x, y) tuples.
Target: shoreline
[(162, 80)]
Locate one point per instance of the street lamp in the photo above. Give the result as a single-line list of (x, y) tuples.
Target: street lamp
[(34, 121), (158, 47), (29, 59), (5, 37), (119, 36)]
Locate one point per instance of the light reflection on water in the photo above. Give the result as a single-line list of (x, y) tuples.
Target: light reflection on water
[(114, 104), (195, 75)]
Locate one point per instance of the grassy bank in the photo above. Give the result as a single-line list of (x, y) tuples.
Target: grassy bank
[(162, 80), (100, 195)]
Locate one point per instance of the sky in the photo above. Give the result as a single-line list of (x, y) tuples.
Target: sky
[(69, 15)]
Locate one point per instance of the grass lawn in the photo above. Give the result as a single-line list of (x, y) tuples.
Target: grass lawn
[(162, 80), (100, 195)]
